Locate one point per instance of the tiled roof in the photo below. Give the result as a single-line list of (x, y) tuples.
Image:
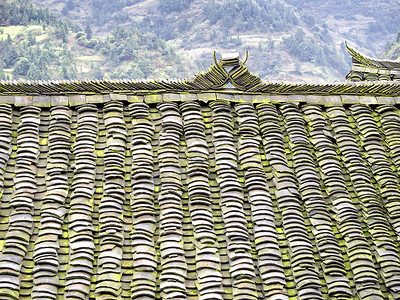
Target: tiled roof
[(369, 69), (200, 200), (228, 195)]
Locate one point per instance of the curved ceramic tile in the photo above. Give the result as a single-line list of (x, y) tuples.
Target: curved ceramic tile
[(80, 227), (347, 219), (238, 244), (386, 252), (269, 254), (109, 272), (310, 189), (142, 203), (303, 264), (208, 264), (173, 264), (21, 222), (53, 210)]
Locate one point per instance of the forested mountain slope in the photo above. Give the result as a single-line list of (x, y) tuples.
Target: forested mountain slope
[(293, 40), (284, 43), (392, 49), (369, 23), (36, 44)]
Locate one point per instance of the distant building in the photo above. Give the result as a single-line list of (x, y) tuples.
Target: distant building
[(369, 69), (222, 186)]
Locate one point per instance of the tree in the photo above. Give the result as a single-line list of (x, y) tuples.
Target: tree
[(45, 58), (3, 11), (96, 72), (22, 67), (64, 72), (91, 43), (34, 73), (170, 6), (145, 66), (31, 39), (88, 31), (2, 74), (79, 34), (70, 5), (11, 57), (61, 32)]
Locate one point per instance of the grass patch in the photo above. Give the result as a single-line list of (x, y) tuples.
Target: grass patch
[(14, 31), (90, 58)]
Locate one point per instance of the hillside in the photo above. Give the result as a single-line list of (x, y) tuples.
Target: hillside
[(369, 24), (294, 40), (35, 44), (284, 43), (287, 40), (392, 49)]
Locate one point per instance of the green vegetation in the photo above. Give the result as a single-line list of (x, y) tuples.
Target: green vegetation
[(266, 28), (33, 43), (22, 12), (194, 28), (243, 15), (140, 53), (170, 6), (226, 17), (42, 47), (289, 39), (368, 23), (37, 61), (307, 49), (392, 49)]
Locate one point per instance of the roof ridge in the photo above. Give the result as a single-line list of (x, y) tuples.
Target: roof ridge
[(363, 59), (229, 70), (234, 96)]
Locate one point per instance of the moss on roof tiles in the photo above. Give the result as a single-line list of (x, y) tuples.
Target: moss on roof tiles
[(278, 192)]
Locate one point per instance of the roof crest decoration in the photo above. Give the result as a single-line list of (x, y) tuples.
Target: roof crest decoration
[(228, 70)]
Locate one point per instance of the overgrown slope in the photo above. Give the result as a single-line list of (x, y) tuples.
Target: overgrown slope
[(270, 30), (369, 23), (35, 44), (392, 49), (294, 40)]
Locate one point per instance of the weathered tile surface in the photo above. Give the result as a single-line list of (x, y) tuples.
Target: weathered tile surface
[(200, 199)]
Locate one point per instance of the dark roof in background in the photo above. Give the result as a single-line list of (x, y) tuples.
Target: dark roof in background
[(369, 69), (361, 59)]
